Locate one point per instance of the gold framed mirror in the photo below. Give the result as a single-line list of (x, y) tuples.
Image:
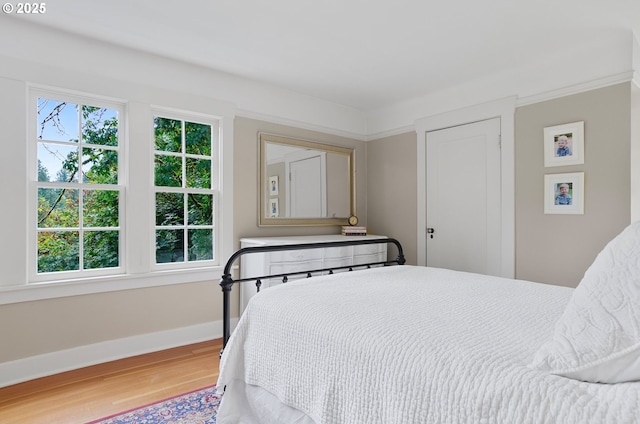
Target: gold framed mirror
[(305, 183)]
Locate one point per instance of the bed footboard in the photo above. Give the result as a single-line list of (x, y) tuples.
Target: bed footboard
[(227, 281)]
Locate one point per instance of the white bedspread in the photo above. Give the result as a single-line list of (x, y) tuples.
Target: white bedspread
[(409, 344)]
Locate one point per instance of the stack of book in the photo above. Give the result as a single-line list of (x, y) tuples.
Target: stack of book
[(351, 230)]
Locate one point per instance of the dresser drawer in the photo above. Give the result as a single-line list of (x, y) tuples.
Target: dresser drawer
[(295, 255), (369, 249), (338, 262), (364, 259), (338, 252), (282, 268)]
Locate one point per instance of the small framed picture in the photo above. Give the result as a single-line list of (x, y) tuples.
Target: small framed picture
[(564, 144), (273, 208), (273, 185), (564, 193)]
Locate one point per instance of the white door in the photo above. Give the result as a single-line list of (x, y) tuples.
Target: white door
[(306, 188), (463, 198)]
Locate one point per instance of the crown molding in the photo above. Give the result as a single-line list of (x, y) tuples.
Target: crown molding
[(577, 88), (243, 113), (391, 133), (629, 76)]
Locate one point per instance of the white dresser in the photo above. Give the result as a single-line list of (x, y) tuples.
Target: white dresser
[(268, 263)]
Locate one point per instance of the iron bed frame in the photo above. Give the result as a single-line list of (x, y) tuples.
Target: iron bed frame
[(227, 281)]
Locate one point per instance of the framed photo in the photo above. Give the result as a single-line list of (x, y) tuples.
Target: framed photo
[(564, 144), (273, 208), (564, 193), (273, 185)]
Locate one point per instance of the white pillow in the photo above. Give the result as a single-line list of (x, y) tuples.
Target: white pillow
[(597, 338)]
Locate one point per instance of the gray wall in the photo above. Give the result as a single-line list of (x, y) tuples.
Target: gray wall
[(554, 249), (558, 249), (338, 200), (38, 327), (392, 207), (246, 170), (635, 152)]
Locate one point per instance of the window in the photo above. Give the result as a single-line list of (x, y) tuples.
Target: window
[(101, 205), (185, 170), (78, 190)]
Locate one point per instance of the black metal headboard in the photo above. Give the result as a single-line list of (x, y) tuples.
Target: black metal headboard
[(227, 282)]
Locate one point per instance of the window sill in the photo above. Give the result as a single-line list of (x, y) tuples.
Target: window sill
[(51, 290)]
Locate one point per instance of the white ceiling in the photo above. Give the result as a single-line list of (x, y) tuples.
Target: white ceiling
[(366, 54)]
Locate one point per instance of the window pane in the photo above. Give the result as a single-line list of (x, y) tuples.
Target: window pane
[(168, 134), (57, 208), (200, 209), (198, 173), (168, 171), (57, 120), (58, 251), (169, 246), (99, 166), (101, 249), (100, 208), (99, 126), (169, 209), (200, 245), (198, 138), (57, 162)]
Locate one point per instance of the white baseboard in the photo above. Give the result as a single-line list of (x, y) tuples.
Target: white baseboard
[(25, 369)]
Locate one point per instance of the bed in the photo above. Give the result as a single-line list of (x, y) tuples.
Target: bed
[(409, 344)]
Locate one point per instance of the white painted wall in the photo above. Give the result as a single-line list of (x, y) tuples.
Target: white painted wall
[(13, 162), (35, 45)]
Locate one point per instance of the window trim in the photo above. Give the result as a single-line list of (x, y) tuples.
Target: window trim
[(93, 285)]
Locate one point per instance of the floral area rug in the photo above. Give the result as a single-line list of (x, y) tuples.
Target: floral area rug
[(197, 407)]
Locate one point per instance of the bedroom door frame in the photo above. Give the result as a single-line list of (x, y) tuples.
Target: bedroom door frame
[(505, 110)]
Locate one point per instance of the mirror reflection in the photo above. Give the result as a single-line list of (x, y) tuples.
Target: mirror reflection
[(305, 183)]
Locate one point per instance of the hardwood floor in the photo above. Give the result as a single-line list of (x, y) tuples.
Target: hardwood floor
[(101, 390)]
